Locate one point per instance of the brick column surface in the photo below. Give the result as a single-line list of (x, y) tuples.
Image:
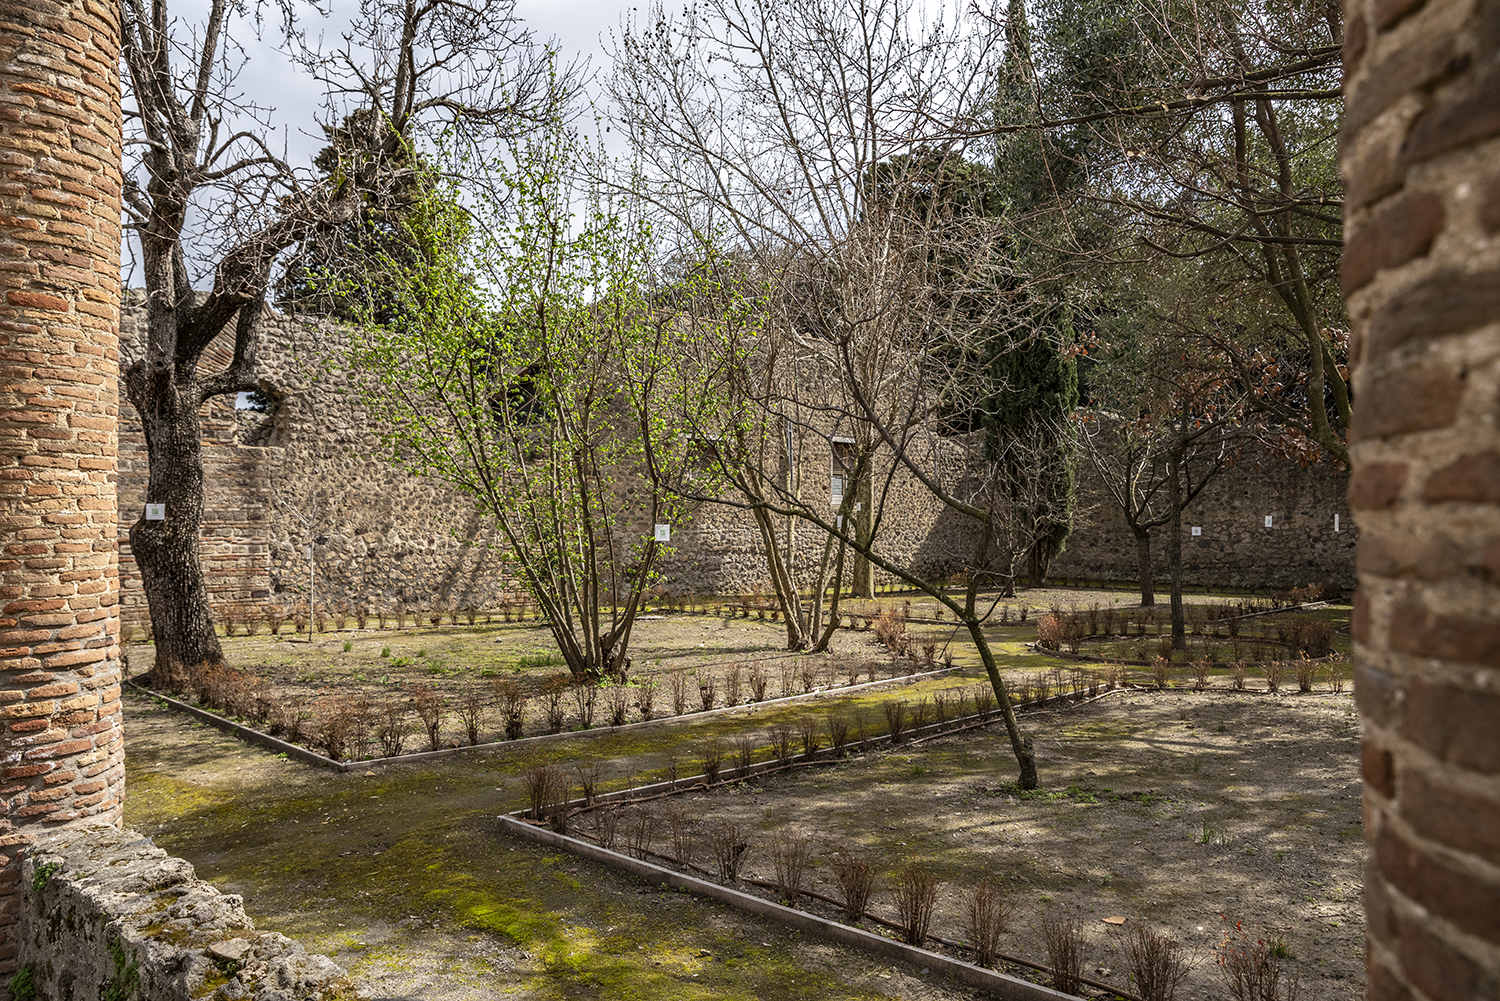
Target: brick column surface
[(61, 746), (1421, 162)]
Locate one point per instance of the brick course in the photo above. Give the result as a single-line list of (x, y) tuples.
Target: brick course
[(61, 747), (1422, 274)]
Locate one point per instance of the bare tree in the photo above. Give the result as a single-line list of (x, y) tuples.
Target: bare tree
[(793, 134), (197, 150)]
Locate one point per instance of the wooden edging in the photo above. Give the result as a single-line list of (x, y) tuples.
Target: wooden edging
[(999, 984)]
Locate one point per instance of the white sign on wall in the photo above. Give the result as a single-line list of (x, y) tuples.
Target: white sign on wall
[(1268, 521), (1336, 523), (156, 512), (1197, 529), (663, 533)]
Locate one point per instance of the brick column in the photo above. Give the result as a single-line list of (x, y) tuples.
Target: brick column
[(1421, 159), (61, 747)]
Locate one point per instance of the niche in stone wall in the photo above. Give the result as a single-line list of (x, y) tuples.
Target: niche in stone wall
[(260, 417)]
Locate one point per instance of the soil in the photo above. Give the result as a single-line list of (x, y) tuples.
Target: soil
[(1185, 811)]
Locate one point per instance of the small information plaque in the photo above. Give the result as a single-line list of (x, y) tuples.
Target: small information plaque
[(663, 533), (156, 512), (1197, 529), (1269, 521)]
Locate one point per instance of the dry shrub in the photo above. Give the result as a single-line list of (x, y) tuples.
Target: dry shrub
[(729, 845), (789, 857), (808, 673), (677, 686), (855, 875), (1063, 935), (588, 780), (1307, 672), (988, 913), (1049, 632), (512, 701), (552, 692), (734, 681), (920, 716), (1200, 673), (545, 786), (645, 697), (617, 704), (713, 760), (1275, 672), (473, 708), (606, 822), (940, 709), (758, 682), (640, 831), (361, 723), (1252, 969), (984, 701), (744, 751), (331, 726), (708, 692), (430, 707), (895, 719), (1336, 679), (1161, 669), (807, 729), (391, 727), (781, 742), (1156, 963), (915, 893), (1237, 671), (585, 696), (682, 831), (838, 733)]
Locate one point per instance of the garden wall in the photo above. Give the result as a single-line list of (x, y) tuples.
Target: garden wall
[(105, 913), (310, 473), (1235, 549)]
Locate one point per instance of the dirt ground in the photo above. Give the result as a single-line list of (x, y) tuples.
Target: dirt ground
[(1183, 810)]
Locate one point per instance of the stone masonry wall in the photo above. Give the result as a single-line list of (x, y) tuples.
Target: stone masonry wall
[(1421, 161), (1304, 544), (61, 748), (105, 913)]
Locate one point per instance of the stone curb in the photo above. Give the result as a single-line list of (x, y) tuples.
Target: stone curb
[(999, 984)]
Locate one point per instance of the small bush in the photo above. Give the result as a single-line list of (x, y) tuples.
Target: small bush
[(553, 691), (838, 733), (1252, 970), (677, 686), (473, 708), (1049, 632), (758, 681), (1063, 936), (713, 760), (512, 701), (729, 845), (807, 730), (915, 893), (856, 878), (1275, 672), (1156, 963), (640, 832), (606, 823), (708, 692), (744, 752), (588, 780), (789, 857), (1306, 672), (895, 719), (1200, 673), (682, 829), (988, 913), (617, 703), (733, 683), (781, 742), (544, 785)]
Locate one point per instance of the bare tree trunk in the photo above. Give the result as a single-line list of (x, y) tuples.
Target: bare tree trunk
[(1143, 565), (1174, 552), (167, 551)]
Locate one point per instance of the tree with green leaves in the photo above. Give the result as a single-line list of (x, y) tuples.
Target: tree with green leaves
[(538, 362)]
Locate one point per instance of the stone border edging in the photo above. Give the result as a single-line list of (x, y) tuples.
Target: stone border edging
[(999, 984), (254, 736)]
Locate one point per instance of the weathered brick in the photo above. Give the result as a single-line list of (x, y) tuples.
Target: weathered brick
[(1376, 485), (1489, 204), (1438, 970), (1473, 478), (1427, 633), (1394, 234), (1456, 725), (1468, 902), (1463, 115), (1448, 302), (1456, 818), (1375, 765), (1378, 695)]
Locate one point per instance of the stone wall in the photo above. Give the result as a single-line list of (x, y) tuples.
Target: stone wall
[(312, 472), (61, 747), (1421, 161), (1235, 548), (105, 913)]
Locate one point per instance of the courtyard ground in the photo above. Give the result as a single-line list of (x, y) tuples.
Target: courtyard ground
[(1183, 810)]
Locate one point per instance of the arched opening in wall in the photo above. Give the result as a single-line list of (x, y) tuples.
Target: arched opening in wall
[(259, 417)]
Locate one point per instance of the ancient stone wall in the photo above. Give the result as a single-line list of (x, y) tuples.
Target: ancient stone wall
[(104, 913), (1303, 545), (61, 749), (1421, 161)]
